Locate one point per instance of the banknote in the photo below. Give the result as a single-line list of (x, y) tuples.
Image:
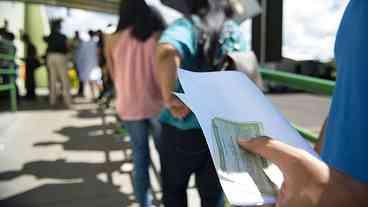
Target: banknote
[(230, 158)]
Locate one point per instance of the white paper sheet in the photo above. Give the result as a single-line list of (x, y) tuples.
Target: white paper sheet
[(232, 96)]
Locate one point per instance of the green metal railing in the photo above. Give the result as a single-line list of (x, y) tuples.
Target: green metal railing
[(11, 73), (301, 82)]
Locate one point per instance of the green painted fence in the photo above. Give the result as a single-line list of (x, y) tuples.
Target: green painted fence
[(11, 73), (301, 82)]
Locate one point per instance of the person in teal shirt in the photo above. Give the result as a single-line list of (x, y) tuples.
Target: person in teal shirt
[(183, 146), (341, 179), (183, 36)]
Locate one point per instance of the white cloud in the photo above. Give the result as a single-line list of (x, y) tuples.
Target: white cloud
[(310, 28)]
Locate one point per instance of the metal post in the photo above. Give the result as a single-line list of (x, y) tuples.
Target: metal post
[(263, 46), (267, 31)]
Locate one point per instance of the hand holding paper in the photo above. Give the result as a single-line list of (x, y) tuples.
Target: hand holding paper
[(177, 108), (230, 99), (304, 174)]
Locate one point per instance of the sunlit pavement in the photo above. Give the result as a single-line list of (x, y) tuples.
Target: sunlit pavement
[(64, 158), (304, 110)]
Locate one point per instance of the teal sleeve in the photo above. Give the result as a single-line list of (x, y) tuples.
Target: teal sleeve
[(233, 39), (180, 35)]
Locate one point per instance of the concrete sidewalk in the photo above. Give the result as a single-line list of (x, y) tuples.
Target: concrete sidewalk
[(62, 158)]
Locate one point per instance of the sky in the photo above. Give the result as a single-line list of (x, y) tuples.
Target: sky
[(310, 26)]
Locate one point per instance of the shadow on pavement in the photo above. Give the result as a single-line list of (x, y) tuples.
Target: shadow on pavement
[(91, 138), (90, 114), (70, 195), (78, 183), (81, 185), (39, 104)]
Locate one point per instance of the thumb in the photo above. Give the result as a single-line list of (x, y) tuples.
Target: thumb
[(277, 152)]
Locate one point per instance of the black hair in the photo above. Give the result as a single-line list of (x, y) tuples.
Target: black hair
[(91, 33), (25, 37), (143, 19), (9, 36), (56, 25), (6, 23)]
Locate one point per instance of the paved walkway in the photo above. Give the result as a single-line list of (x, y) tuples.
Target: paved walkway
[(63, 158)]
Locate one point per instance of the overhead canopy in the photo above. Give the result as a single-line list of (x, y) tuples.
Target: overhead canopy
[(107, 6), (243, 9), (268, 26)]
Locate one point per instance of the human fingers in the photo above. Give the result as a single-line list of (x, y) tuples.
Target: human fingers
[(180, 112), (277, 152), (175, 112), (175, 102), (184, 111)]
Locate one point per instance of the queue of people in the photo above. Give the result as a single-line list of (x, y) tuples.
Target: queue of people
[(85, 56), (196, 43), (142, 58)]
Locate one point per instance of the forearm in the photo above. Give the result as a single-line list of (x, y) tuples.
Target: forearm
[(343, 190), (168, 61)]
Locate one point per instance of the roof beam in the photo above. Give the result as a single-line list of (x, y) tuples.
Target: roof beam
[(106, 6)]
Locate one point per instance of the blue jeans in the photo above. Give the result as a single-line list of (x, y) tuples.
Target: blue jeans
[(139, 133)]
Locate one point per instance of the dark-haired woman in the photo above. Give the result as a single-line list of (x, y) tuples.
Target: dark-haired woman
[(130, 54), (198, 43)]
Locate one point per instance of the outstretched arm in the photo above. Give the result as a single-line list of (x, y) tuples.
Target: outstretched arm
[(168, 60)]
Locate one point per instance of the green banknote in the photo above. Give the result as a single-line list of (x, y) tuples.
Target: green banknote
[(231, 159)]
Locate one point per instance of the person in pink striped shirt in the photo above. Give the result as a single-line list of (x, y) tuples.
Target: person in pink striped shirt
[(130, 54)]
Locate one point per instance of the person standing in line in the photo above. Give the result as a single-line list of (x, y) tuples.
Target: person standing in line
[(130, 54), (32, 63), (56, 59), (100, 48), (340, 179), (87, 63), (5, 33), (107, 86), (75, 43), (199, 42)]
